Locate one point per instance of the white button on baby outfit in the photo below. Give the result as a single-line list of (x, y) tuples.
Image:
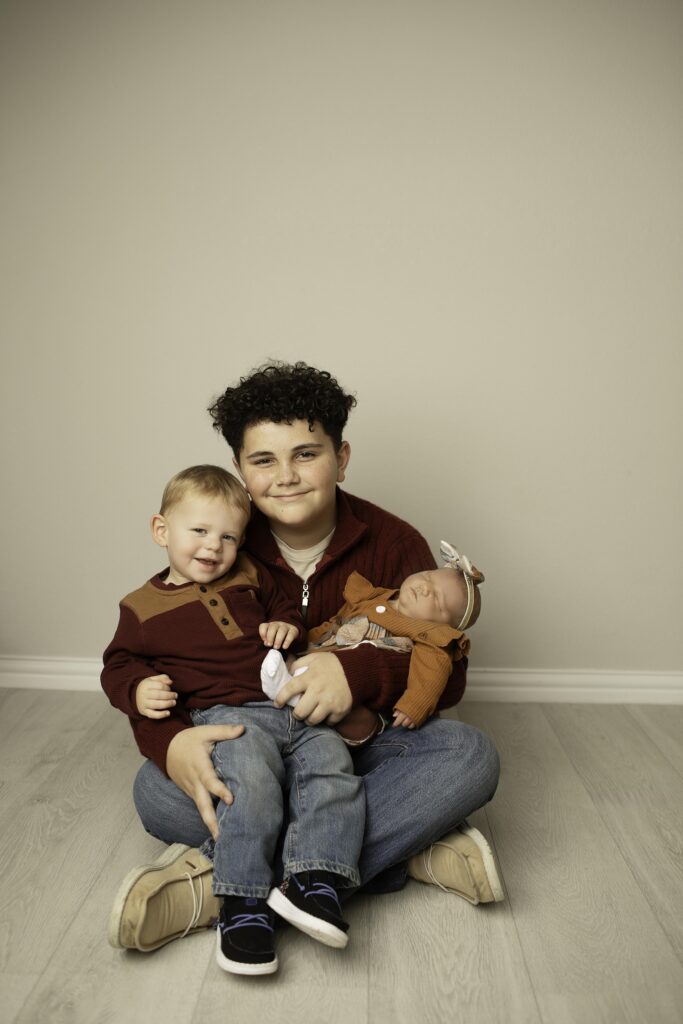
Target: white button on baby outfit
[(380, 608)]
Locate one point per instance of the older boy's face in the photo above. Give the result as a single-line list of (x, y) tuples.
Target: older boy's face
[(291, 473), (439, 595)]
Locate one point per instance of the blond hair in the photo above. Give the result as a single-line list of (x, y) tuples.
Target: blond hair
[(209, 481)]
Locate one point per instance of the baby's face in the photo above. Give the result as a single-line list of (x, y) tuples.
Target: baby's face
[(438, 595)]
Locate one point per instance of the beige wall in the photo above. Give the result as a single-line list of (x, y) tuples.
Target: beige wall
[(471, 213)]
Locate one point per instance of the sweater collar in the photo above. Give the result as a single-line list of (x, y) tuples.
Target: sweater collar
[(348, 531), (242, 573)]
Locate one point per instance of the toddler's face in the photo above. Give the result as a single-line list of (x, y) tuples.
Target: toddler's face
[(439, 595), (202, 536)]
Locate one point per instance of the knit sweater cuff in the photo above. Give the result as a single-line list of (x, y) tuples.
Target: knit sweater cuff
[(362, 683), (154, 737), (416, 707)]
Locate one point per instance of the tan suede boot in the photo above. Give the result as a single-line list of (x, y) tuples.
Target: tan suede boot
[(164, 900), (462, 863)]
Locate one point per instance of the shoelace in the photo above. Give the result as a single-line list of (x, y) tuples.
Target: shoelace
[(244, 920), (323, 889), (427, 861), (197, 902)]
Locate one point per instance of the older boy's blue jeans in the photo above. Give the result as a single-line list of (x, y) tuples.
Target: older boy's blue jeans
[(277, 763), (419, 784)]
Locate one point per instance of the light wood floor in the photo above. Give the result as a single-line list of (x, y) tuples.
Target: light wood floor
[(587, 824)]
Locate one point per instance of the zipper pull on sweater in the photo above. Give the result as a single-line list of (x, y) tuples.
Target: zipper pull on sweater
[(304, 600)]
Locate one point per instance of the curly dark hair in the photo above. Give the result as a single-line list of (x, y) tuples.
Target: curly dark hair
[(280, 393)]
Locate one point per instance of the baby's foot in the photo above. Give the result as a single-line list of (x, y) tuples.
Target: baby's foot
[(274, 675)]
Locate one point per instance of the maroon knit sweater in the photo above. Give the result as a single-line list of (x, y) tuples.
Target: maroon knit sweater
[(379, 546), (203, 636)]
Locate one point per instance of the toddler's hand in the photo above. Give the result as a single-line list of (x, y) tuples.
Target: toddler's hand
[(154, 697), (403, 720), (277, 634)]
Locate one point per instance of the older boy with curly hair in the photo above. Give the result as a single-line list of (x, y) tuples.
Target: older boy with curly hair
[(284, 423)]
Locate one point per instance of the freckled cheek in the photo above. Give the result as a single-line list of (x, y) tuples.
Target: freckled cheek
[(256, 483)]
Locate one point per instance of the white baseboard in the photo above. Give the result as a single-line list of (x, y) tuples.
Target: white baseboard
[(50, 673), (583, 686)]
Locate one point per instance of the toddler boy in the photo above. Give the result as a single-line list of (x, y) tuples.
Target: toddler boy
[(194, 635)]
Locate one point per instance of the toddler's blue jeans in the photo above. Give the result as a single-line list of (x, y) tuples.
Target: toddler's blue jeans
[(278, 755)]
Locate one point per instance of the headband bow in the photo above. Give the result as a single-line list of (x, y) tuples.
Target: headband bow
[(452, 559)]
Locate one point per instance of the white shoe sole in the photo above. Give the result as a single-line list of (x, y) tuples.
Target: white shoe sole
[(326, 933), (490, 866), (235, 967), (169, 856)]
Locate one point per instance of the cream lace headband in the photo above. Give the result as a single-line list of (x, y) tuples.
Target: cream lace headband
[(452, 559)]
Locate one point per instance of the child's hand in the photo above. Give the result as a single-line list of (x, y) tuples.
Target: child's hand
[(403, 720), (277, 634), (154, 697)]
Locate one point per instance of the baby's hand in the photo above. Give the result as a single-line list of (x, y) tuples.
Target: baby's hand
[(277, 634), (403, 720), (154, 697)]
